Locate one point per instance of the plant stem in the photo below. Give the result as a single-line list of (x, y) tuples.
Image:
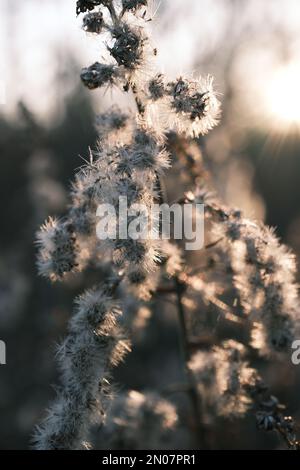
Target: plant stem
[(113, 13), (185, 350)]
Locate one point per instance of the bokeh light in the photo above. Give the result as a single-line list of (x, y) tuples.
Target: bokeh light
[(283, 94)]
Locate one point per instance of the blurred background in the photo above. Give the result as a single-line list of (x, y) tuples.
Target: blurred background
[(252, 48)]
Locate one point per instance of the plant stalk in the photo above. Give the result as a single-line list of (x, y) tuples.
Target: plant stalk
[(186, 355)]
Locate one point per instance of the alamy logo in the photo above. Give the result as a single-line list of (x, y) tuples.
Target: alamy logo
[(296, 353), (2, 353), (161, 221)]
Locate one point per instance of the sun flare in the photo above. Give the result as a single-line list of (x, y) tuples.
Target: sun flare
[(283, 95)]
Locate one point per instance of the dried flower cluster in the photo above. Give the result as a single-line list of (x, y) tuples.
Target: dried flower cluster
[(224, 378), (229, 388), (263, 274), (188, 105), (93, 346), (131, 160), (58, 252), (138, 419)]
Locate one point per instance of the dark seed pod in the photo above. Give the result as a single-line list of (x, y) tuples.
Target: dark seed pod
[(97, 75), (83, 6), (128, 46), (265, 421), (93, 22), (133, 4)]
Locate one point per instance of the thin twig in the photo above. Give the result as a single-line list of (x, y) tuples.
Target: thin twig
[(113, 13), (192, 389)]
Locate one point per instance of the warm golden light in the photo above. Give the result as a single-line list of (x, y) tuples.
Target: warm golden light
[(283, 95)]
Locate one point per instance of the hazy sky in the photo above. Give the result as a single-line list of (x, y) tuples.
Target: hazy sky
[(35, 35)]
